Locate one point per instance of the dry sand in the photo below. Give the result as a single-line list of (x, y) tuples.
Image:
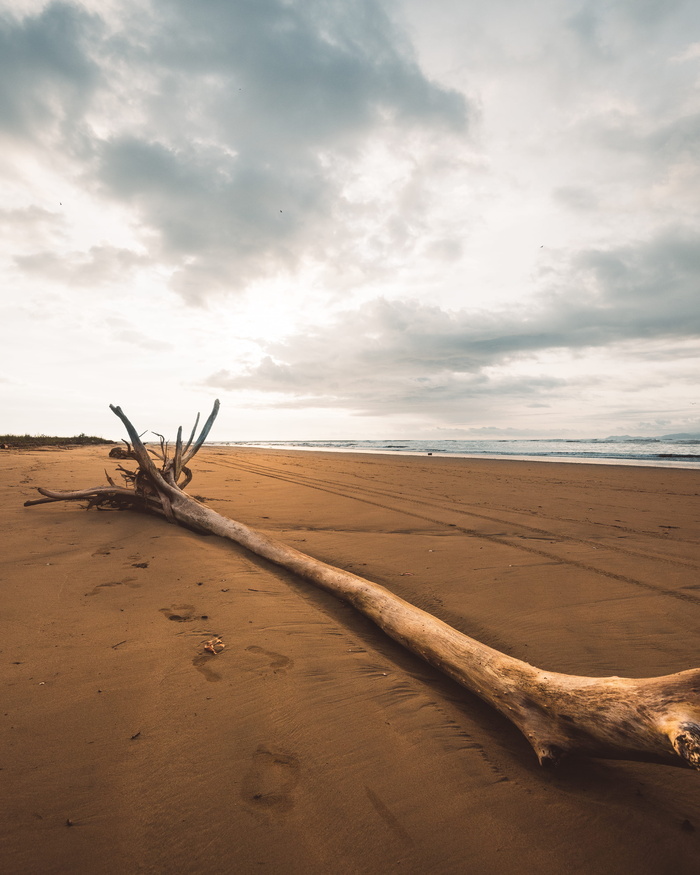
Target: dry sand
[(312, 743)]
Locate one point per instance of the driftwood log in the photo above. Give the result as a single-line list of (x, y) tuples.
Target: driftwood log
[(653, 719)]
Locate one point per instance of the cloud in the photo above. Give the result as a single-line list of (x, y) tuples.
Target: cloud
[(484, 431), (232, 132), (383, 208), (141, 340), (97, 266), (575, 197), (47, 76), (391, 356), (28, 220), (644, 290), (401, 355)]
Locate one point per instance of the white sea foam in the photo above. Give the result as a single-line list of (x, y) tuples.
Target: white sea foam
[(645, 451)]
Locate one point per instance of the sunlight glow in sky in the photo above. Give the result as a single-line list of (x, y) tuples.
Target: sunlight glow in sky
[(350, 218)]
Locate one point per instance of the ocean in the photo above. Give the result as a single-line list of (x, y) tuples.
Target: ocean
[(634, 451)]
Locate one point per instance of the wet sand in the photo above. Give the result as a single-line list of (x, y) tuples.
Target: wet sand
[(312, 743)]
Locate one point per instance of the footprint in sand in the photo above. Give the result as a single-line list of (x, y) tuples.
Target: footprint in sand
[(105, 551), (276, 661), (179, 613), (271, 779), (128, 581), (202, 662)]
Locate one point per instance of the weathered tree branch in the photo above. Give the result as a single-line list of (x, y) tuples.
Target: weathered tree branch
[(655, 719)]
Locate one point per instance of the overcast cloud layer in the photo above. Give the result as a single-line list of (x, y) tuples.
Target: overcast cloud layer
[(351, 219)]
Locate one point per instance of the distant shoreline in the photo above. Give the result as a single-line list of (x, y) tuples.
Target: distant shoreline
[(662, 460)]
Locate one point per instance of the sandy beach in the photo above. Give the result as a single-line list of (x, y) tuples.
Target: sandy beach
[(313, 743)]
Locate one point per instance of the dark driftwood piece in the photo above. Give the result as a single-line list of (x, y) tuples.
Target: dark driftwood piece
[(654, 719)]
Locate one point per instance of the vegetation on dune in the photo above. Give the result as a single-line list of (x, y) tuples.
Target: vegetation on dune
[(28, 441)]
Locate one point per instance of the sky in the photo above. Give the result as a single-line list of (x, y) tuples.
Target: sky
[(350, 218)]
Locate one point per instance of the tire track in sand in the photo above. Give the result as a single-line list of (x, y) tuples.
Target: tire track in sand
[(368, 495)]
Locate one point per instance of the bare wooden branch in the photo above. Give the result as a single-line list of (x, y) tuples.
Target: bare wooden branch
[(163, 454), (203, 435), (138, 449), (655, 719), (188, 478), (177, 458), (194, 431)]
